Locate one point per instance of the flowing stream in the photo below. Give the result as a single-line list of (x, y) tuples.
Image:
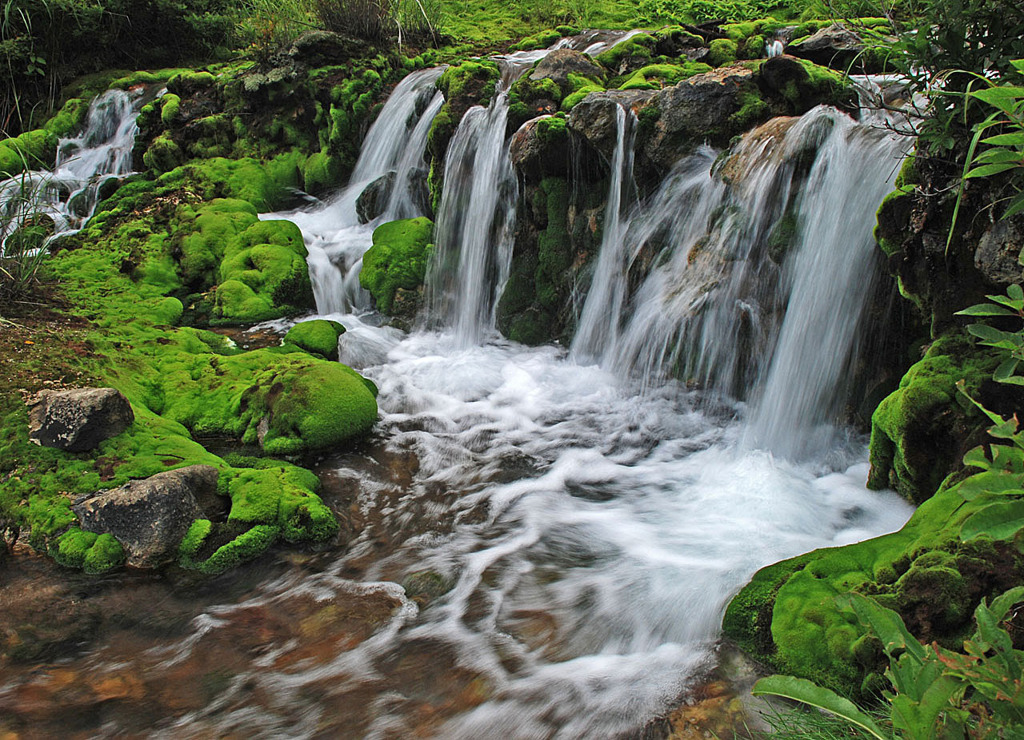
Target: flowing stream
[(68, 195), (541, 543)]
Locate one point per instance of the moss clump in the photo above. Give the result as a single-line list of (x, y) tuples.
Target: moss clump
[(630, 51), (69, 119), (283, 497), (541, 40), (657, 76), (163, 155), (397, 261), (319, 336), (170, 105), (32, 150), (722, 52), (94, 553), (472, 79), (753, 109), (249, 545), (321, 173), (915, 427)]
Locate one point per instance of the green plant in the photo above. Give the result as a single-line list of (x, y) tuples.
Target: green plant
[(933, 692), (21, 243)]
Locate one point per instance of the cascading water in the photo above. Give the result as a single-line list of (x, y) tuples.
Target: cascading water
[(335, 239), (595, 332), (762, 270), (473, 238), (565, 544), (69, 194)]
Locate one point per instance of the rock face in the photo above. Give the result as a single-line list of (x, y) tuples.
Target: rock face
[(594, 117), (999, 249), (834, 46), (149, 517), (78, 419), (374, 198), (711, 107), (559, 64)]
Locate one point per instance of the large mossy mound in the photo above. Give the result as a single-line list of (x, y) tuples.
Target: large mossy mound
[(395, 267), (318, 336), (153, 245)]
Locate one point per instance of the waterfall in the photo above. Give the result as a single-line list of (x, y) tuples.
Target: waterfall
[(608, 286), (69, 194), (476, 218), (395, 143), (756, 273)]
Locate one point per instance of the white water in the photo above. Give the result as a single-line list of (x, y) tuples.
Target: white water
[(335, 239), (592, 521), (69, 194)]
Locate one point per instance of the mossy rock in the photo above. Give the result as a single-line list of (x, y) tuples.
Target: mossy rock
[(918, 431), (722, 52), (32, 150), (634, 52), (657, 76), (395, 266), (318, 336), (69, 119)]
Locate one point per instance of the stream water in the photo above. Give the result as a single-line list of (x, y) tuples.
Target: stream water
[(539, 543)]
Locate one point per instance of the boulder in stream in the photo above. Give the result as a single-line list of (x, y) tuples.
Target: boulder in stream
[(374, 199), (149, 517)]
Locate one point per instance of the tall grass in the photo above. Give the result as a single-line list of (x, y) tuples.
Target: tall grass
[(22, 243)]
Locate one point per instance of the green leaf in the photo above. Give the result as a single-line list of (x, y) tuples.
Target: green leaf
[(884, 623), (990, 482), (1000, 521), (1015, 207), (1015, 292), (802, 690), (1005, 370), (1013, 139), (997, 155), (1002, 604), (986, 309), (991, 334), (976, 458), (916, 720), (991, 169), (1004, 97)]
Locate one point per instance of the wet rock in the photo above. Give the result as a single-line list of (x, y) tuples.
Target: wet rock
[(559, 64), (998, 251), (834, 46), (149, 517), (594, 117), (540, 148), (78, 419), (710, 107), (374, 199)]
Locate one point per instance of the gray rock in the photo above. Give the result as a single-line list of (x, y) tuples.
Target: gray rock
[(701, 108), (594, 117), (559, 64), (537, 153), (834, 46), (78, 419), (374, 198), (998, 251), (149, 517)]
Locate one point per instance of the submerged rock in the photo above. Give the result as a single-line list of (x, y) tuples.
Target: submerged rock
[(78, 419), (149, 517)]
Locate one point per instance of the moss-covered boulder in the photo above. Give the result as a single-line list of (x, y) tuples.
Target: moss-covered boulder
[(395, 266), (921, 430), (318, 336), (32, 150), (540, 148)]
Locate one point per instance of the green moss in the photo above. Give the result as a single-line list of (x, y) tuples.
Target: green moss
[(105, 554), (321, 173), (94, 553), (657, 76), (31, 150), (473, 78), (170, 104), (284, 497), (722, 52), (753, 109), (193, 540), (69, 119), (573, 98), (910, 430), (541, 40), (249, 545), (163, 155), (319, 336), (397, 260), (637, 47)]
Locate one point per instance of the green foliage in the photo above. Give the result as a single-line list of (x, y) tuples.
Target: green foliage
[(933, 692), (649, 12), (318, 335)]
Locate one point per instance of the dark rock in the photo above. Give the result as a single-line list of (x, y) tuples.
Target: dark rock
[(559, 64), (322, 48), (594, 117), (374, 199), (78, 419), (540, 148), (834, 46), (710, 107), (149, 517), (996, 257)]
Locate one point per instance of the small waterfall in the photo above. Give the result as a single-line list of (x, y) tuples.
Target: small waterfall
[(69, 194), (476, 219), (395, 144), (608, 286), (756, 273)]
